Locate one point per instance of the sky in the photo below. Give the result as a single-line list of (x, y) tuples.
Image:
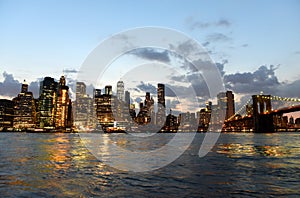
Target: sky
[(256, 44)]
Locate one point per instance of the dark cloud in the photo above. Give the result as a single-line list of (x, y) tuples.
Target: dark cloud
[(194, 24), (245, 45), (218, 37), (9, 87), (147, 87), (152, 54), (34, 87), (289, 89), (263, 79)]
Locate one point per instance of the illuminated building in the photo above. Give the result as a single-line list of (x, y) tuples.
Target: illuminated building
[(6, 114), (84, 111), (63, 107), (161, 113), (226, 107), (47, 103), (171, 123), (204, 117), (80, 89), (146, 112), (104, 107), (120, 90), (24, 110)]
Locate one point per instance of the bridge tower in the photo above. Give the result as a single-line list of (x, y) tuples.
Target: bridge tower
[(263, 120)]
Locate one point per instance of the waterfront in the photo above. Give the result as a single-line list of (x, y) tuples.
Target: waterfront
[(240, 164)]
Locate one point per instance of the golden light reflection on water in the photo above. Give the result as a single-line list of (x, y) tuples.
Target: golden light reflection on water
[(237, 150)]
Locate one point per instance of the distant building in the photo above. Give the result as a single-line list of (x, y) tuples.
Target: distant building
[(146, 113), (104, 107), (84, 110), (225, 105), (6, 114), (120, 90), (161, 112), (127, 98), (24, 109)]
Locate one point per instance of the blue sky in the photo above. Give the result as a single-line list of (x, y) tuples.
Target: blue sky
[(40, 38)]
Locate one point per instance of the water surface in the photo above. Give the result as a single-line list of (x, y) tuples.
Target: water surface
[(240, 164)]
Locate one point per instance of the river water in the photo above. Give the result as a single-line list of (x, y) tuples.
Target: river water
[(239, 165)]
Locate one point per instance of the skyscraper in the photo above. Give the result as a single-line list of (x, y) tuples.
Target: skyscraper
[(24, 109), (80, 89), (6, 114), (47, 103), (63, 106), (127, 98), (225, 105), (84, 115), (230, 104), (120, 90), (161, 113), (161, 94)]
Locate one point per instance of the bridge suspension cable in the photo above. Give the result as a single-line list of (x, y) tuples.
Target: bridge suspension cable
[(242, 110), (285, 99)]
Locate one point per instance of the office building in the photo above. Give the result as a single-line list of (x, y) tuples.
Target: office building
[(47, 103), (6, 114), (63, 106), (120, 90), (161, 113), (24, 109)]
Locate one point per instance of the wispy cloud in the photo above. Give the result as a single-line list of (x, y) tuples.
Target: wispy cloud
[(192, 23), (218, 37), (69, 71)]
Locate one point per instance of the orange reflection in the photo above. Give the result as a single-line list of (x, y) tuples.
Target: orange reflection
[(236, 150)]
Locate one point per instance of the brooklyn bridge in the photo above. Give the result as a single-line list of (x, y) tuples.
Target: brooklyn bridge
[(258, 115)]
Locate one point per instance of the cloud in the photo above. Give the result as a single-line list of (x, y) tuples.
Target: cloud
[(218, 37), (205, 44), (70, 71), (263, 79), (194, 24), (10, 87), (147, 87), (244, 45), (297, 52), (152, 54)]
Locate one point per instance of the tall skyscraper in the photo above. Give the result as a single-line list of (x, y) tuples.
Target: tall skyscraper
[(161, 94), (127, 98), (63, 107), (84, 111), (80, 89), (120, 90), (24, 109), (47, 103), (225, 105), (161, 113), (230, 104)]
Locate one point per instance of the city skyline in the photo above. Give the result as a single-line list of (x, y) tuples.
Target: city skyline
[(254, 52)]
